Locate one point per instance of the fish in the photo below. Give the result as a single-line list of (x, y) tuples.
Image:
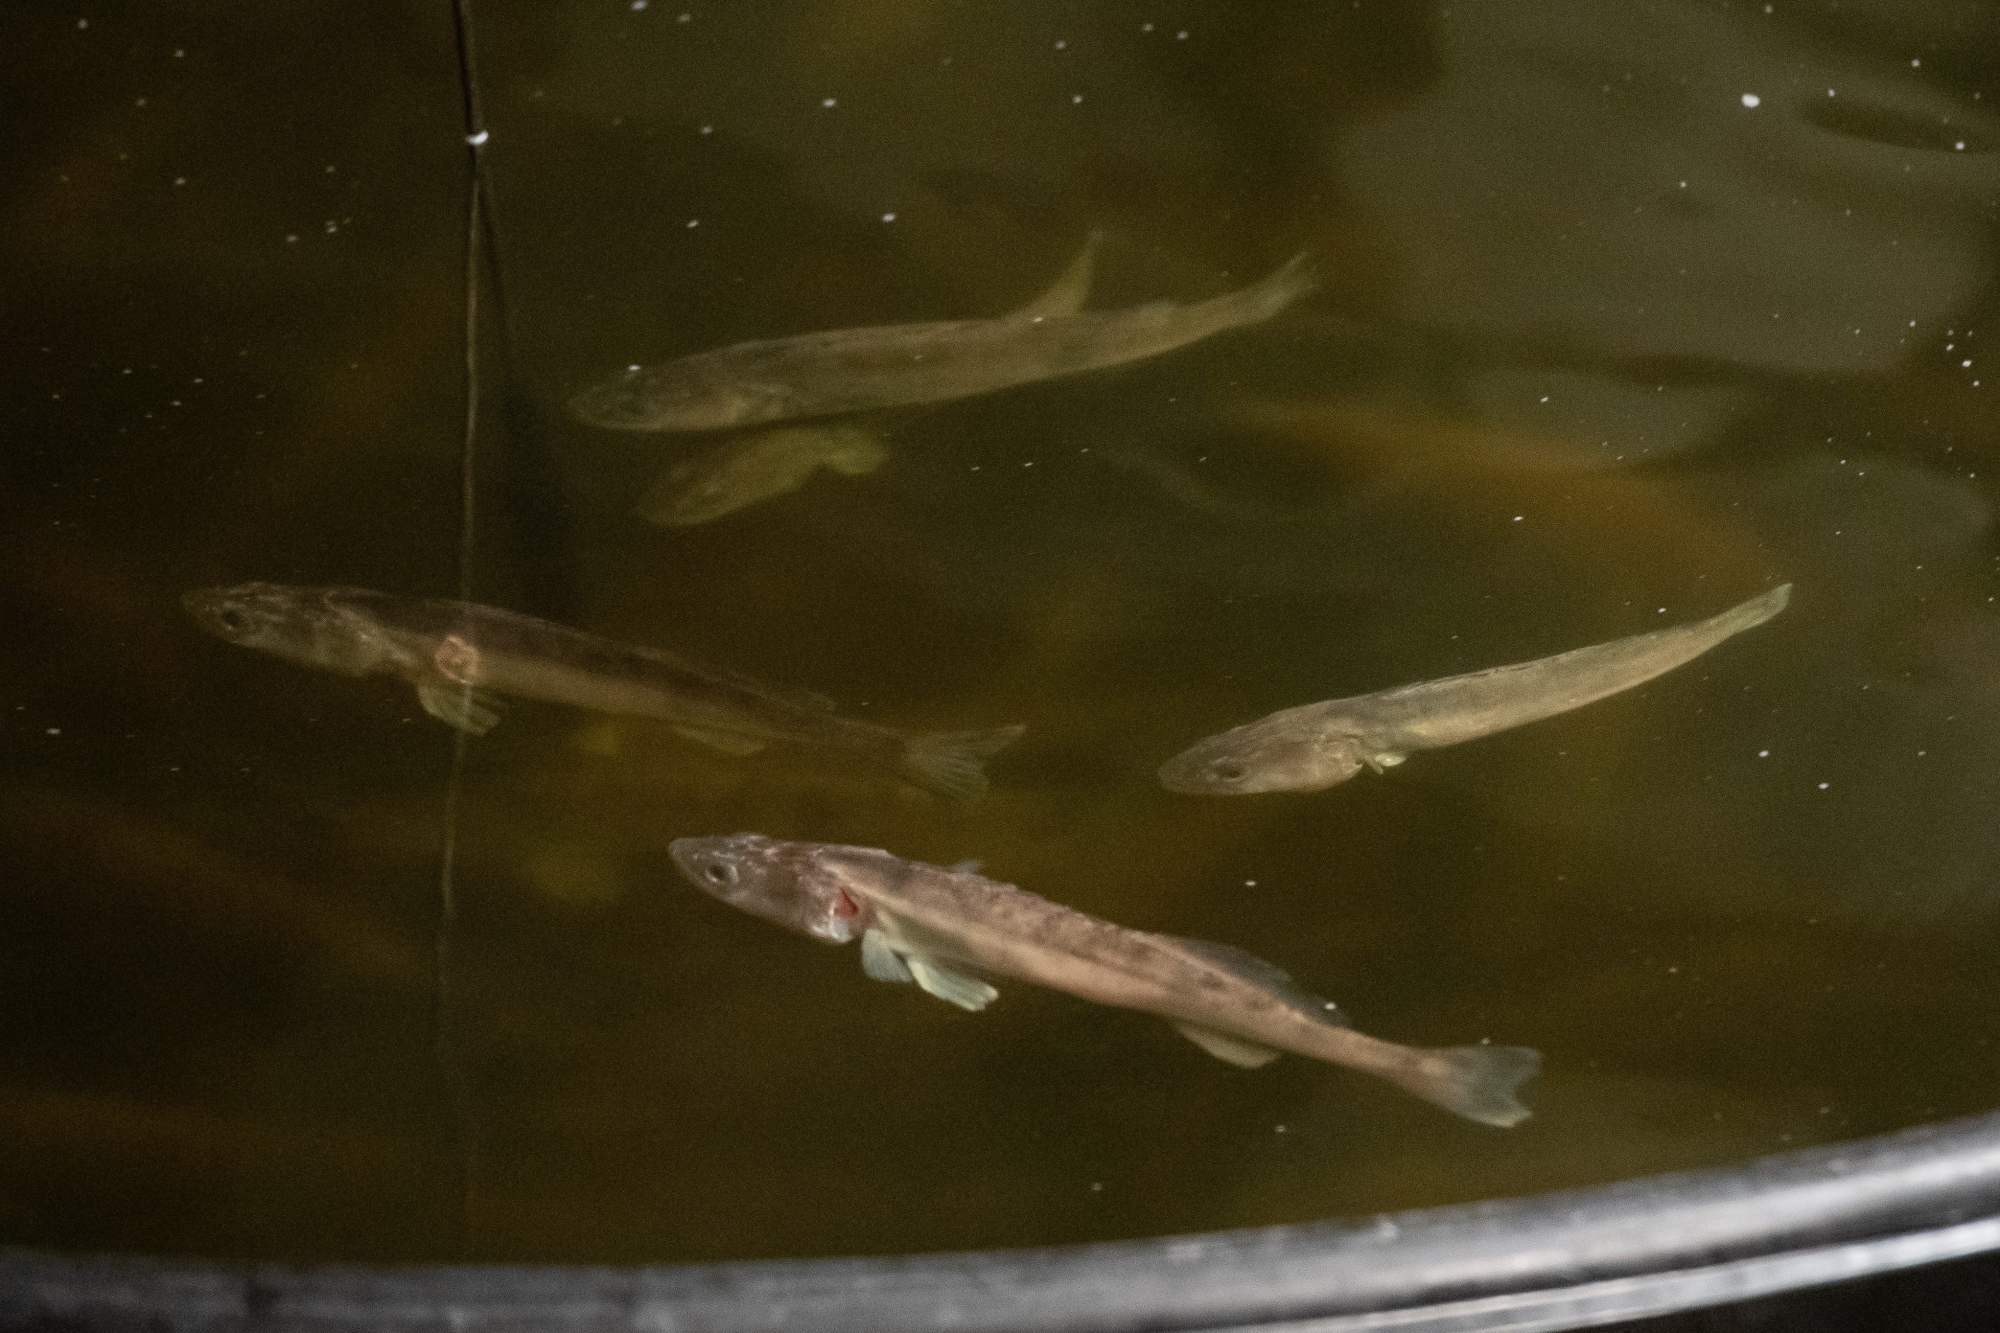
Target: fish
[(1315, 746), (461, 655), (854, 370), (947, 930), (747, 469)]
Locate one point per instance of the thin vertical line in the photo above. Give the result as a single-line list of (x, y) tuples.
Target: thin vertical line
[(450, 1065)]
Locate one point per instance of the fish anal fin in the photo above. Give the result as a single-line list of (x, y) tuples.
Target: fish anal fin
[(879, 960), (1234, 1050), (951, 987), (728, 742), (1269, 976), (474, 712)]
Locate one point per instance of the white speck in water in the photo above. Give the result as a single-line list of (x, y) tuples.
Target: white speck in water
[(1965, 365), (694, 222), (1916, 64), (290, 239), (1145, 27), (1662, 611), (631, 369), (1519, 517), (684, 18), (474, 139), (1751, 99), (83, 23), (1763, 754), (1823, 786), (1181, 36), (1061, 45), (1075, 98), (1960, 145), (1277, 1129), (638, 4), (1545, 398), (1096, 1185), (140, 102), (888, 217), (55, 731), (182, 180), (1249, 883), (829, 102)]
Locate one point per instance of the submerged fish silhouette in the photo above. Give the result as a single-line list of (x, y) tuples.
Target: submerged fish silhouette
[(459, 654)]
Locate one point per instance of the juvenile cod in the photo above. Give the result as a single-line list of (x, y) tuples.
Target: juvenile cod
[(855, 370), (459, 654), (1317, 745), (941, 928)]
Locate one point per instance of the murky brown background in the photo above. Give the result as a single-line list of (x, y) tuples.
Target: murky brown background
[(1603, 348)]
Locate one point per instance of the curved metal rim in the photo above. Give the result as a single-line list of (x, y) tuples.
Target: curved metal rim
[(1564, 1260)]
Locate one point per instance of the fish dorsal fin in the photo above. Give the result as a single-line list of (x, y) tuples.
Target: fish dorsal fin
[(1222, 1046), (729, 742), (1268, 975), (791, 694), (1067, 294), (879, 960)]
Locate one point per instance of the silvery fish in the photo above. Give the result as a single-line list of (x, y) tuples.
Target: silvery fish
[(1318, 745), (458, 655), (854, 370), (761, 465), (947, 929)]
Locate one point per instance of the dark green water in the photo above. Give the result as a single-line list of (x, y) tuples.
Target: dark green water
[(1603, 348)]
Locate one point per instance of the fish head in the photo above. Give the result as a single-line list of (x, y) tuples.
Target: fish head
[(1281, 752), (776, 880), (675, 396), (275, 618)]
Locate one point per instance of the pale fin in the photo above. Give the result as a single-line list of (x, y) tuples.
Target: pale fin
[(1298, 277), (1069, 291), (472, 711), (1268, 975), (969, 866), (860, 452), (1384, 761), (879, 960), (729, 742), (1232, 1050), (952, 763), (1477, 1082), (949, 986)]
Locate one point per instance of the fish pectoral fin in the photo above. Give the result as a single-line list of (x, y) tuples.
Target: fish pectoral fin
[(949, 986), (879, 960), (1384, 761), (1222, 1046), (472, 711), (728, 742)]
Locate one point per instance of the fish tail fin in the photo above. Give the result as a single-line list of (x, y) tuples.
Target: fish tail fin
[(1757, 610), (952, 763), (1299, 276), (1477, 1082)]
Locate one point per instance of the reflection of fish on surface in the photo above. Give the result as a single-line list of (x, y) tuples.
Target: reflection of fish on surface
[(455, 652), (761, 465), (853, 370), (941, 927), (1317, 745)]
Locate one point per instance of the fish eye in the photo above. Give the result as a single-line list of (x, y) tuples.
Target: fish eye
[(1227, 771), (720, 872), (234, 621)]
